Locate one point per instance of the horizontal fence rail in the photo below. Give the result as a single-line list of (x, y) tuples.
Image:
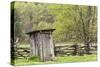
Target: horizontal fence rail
[(22, 53)]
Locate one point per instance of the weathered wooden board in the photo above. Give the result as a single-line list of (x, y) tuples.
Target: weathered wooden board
[(41, 44)]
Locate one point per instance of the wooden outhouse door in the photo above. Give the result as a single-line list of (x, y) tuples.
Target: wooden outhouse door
[(47, 47)]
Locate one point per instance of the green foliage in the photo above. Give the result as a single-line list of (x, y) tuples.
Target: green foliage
[(17, 29), (44, 25), (73, 23)]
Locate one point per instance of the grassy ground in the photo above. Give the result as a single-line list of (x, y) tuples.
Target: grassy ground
[(66, 59)]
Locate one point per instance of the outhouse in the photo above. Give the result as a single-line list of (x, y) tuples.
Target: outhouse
[(41, 43)]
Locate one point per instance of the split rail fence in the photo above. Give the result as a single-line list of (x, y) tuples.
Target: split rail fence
[(74, 50), (59, 51)]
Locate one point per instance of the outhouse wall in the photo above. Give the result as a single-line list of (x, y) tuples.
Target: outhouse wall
[(33, 45), (42, 45)]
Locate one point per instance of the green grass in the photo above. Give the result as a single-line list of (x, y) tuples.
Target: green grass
[(65, 59)]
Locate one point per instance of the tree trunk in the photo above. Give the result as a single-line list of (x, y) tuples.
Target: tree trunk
[(87, 48)]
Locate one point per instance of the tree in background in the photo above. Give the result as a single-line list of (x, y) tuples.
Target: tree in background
[(28, 17), (72, 23), (86, 25)]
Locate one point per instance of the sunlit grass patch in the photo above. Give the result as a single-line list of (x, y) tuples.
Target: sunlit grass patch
[(66, 59)]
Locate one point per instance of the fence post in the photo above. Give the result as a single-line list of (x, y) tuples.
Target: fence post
[(76, 49)]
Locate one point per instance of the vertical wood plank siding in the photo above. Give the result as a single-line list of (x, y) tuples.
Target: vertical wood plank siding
[(41, 44)]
